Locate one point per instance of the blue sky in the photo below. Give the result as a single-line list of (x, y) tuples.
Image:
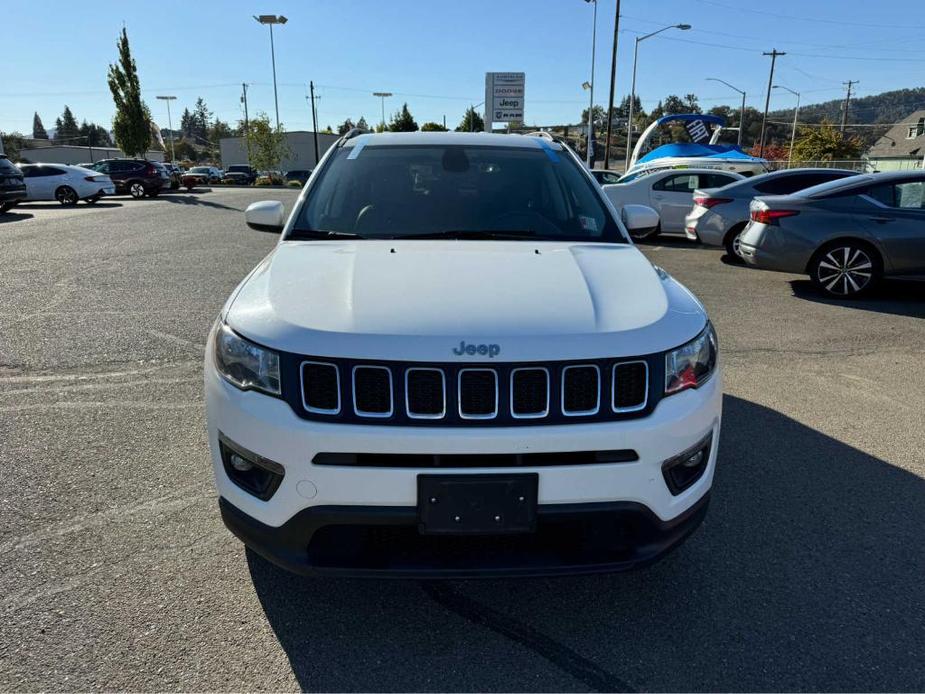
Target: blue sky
[(434, 54)]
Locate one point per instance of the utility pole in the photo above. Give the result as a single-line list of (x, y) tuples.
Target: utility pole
[(844, 113), (767, 99), (589, 154), (613, 82), (244, 101), (311, 87)]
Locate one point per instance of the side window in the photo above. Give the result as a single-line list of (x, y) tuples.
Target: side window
[(29, 171), (102, 167), (781, 185), (52, 171), (609, 178), (909, 195), (679, 183), (715, 180)]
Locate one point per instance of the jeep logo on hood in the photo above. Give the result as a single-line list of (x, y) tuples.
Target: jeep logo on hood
[(490, 350)]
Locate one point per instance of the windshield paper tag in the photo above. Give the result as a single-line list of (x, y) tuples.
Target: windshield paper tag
[(587, 223), (358, 146)]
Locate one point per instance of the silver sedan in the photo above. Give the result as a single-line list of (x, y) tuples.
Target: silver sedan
[(846, 234)]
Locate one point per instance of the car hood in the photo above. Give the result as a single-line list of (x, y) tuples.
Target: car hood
[(418, 299)]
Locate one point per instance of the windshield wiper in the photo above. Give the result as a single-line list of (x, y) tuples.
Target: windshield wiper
[(298, 234), (479, 235)]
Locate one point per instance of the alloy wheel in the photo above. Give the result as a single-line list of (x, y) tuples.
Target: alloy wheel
[(137, 190), (844, 270), (66, 195)]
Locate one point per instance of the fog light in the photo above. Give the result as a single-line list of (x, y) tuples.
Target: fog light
[(240, 464), (251, 472), (681, 471)]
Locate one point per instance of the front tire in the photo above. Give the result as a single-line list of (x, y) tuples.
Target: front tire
[(7, 206), (67, 196), (845, 269), (136, 190)]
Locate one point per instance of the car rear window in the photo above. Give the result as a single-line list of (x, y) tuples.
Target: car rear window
[(412, 190), (784, 185)]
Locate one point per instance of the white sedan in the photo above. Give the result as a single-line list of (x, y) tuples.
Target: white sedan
[(669, 192), (66, 184)]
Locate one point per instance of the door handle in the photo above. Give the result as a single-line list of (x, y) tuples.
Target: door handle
[(882, 220)]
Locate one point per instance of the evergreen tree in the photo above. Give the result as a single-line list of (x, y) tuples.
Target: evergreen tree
[(201, 117), (403, 121), (186, 123), (433, 127), (66, 128), (132, 122), (345, 127), (361, 124), (471, 122), (38, 130), (94, 135)]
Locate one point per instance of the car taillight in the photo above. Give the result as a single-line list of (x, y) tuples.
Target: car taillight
[(93, 179), (150, 170), (766, 216), (711, 202)]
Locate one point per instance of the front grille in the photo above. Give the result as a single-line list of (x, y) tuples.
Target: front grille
[(630, 386), (469, 460), (484, 394), (478, 393), (581, 390), (372, 391)]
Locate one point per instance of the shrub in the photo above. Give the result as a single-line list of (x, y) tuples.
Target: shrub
[(294, 184), (263, 181)]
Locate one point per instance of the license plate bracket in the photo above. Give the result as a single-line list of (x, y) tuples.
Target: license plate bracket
[(477, 504)]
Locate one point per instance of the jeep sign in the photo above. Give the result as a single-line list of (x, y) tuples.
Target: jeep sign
[(504, 98)]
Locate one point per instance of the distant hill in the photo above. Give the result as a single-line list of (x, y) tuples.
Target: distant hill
[(886, 107)]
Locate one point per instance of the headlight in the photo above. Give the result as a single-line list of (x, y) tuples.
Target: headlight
[(692, 364), (244, 364)]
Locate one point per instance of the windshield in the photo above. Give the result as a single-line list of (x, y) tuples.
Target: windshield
[(406, 191), (200, 169)]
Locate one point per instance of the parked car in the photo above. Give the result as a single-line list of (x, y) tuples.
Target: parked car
[(604, 176), (165, 173), (845, 234), (136, 177), (240, 173), (66, 184), (12, 185), (669, 192), (300, 175), (476, 364), (720, 215), (174, 173), (201, 175)]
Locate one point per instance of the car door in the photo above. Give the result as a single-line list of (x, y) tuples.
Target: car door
[(672, 196), (37, 182), (895, 217)]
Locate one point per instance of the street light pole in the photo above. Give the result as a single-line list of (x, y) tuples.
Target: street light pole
[(472, 118), (629, 125), (382, 96), (591, 85), (741, 111), (168, 99), (796, 112), (271, 19)]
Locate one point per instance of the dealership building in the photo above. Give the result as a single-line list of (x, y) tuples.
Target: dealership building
[(74, 154)]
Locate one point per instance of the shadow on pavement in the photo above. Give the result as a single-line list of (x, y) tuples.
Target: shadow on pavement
[(188, 199), (58, 206), (897, 297), (806, 575), (8, 217)]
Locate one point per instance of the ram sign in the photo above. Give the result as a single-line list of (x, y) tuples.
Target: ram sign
[(504, 98)]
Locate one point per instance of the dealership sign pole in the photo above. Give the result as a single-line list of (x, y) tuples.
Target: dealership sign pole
[(504, 98)]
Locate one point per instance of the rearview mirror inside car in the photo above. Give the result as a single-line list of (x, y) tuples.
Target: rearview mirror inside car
[(639, 218), (266, 215)]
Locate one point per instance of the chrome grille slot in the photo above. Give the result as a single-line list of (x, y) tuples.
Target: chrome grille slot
[(529, 393), (320, 387), (630, 386), (425, 393), (581, 390), (478, 393), (372, 391)]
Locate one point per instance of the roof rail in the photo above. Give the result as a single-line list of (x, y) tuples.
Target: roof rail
[(354, 132), (541, 133)]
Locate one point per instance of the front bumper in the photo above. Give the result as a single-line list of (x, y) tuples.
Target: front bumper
[(382, 541)]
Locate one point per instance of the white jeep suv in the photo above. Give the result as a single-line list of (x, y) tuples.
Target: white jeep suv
[(456, 363)]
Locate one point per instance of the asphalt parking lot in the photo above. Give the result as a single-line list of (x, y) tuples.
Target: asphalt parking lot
[(116, 573)]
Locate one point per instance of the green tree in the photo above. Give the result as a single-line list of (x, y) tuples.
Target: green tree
[(403, 121), (825, 143), (186, 123), (38, 130), (690, 103), (674, 105), (200, 119), (362, 124), (345, 127), (431, 126), (66, 128), (266, 146), (623, 110), (12, 144), (132, 122), (598, 118), (94, 135), (471, 122)]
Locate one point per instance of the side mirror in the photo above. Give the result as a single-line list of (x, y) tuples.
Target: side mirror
[(639, 219), (267, 215)]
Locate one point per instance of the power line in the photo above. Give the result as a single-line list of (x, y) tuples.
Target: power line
[(809, 19)]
